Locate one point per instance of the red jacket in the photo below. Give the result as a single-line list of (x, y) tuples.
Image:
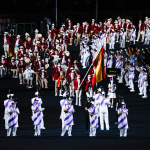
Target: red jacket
[(12, 65), (20, 54), (71, 26), (88, 84), (92, 26), (7, 38), (91, 71), (28, 44), (56, 73), (20, 41), (40, 74), (76, 86), (21, 67), (37, 65)]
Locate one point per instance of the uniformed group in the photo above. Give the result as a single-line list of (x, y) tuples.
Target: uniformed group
[(33, 57)]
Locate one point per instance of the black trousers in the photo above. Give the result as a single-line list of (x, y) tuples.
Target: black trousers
[(87, 120)]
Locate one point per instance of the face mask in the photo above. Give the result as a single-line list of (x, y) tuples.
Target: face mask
[(29, 67), (74, 62), (72, 71), (58, 65), (123, 106), (2, 58), (89, 77), (70, 102), (13, 106), (38, 59), (42, 60), (78, 77)]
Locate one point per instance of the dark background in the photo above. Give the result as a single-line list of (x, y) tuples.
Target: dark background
[(77, 10)]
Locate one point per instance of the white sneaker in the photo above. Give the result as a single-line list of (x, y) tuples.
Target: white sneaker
[(42, 127), (35, 134), (70, 135), (79, 104), (55, 94), (127, 84), (144, 96), (120, 135), (129, 87), (20, 82), (111, 106), (140, 93), (76, 103), (132, 90)]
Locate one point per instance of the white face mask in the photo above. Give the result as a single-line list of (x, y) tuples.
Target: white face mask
[(58, 65), (30, 68), (38, 59), (78, 77)]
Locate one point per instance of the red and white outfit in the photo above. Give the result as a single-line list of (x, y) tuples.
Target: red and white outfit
[(77, 83)]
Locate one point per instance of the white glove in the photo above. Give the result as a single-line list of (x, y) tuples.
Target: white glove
[(43, 109)]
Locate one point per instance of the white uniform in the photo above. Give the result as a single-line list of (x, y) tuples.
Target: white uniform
[(132, 35), (12, 120), (104, 112), (93, 120), (39, 102), (144, 85), (123, 122), (37, 118), (62, 115), (7, 104), (110, 61), (131, 78), (122, 39), (111, 40), (68, 119)]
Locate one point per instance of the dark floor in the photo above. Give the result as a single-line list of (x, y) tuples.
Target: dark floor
[(139, 121)]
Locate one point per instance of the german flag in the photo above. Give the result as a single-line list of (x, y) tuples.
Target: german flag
[(98, 63), (59, 81), (11, 53)]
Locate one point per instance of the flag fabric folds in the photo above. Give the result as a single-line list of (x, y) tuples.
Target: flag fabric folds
[(11, 53), (98, 63), (59, 81)]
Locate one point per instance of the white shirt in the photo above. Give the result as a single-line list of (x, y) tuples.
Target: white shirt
[(28, 73)]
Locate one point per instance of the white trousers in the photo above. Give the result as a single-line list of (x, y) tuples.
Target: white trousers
[(78, 96), (141, 33), (126, 78), (144, 90), (92, 131), (122, 43), (37, 130), (15, 72), (13, 132), (20, 76), (71, 86), (131, 83), (104, 117), (64, 46), (65, 128), (111, 44), (123, 132), (6, 50)]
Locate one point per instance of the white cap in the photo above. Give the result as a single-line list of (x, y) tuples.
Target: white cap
[(37, 93), (103, 93), (123, 103), (9, 95), (99, 89), (70, 99)]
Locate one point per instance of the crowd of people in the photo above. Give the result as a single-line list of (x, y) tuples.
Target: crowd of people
[(32, 58)]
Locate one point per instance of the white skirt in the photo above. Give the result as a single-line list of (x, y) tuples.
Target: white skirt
[(112, 95)]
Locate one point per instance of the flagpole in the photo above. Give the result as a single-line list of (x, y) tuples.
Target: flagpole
[(89, 68)]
